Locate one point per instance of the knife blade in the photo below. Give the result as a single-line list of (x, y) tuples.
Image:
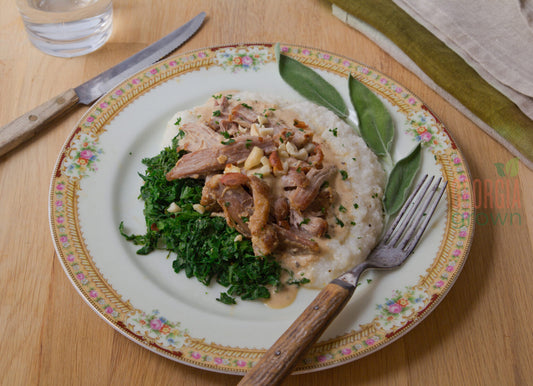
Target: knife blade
[(29, 124)]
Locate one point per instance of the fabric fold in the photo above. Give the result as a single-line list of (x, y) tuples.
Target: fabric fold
[(492, 36), (526, 7), (478, 94)]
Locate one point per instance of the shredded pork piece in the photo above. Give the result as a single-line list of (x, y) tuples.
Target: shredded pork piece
[(302, 197), (293, 179), (294, 238), (207, 161), (274, 222), (236, 203), (243, 115), (309, 223), (264, 237), (198, 136)]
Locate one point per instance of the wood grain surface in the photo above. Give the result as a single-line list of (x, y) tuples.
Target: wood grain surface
[(277, 362), (479, 335)]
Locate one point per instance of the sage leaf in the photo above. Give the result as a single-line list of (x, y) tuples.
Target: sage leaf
[(400, 181), (310, 84), (375, 122)]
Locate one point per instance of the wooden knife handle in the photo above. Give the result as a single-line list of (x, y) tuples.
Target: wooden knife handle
[(279, 360), (27, 125)]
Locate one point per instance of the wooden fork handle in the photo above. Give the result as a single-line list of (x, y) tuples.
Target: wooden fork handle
[(279, 360), (27, 125)]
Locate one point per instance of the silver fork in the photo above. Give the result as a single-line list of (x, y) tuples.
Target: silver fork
[(395, 246)]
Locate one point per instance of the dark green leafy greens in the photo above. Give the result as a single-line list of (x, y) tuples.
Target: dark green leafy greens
[(205, 247)]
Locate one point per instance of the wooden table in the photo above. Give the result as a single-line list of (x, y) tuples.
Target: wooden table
[(479, 335)]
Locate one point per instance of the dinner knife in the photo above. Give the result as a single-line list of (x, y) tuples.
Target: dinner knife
[(27, 125)]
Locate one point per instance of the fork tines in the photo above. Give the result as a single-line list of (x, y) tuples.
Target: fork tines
[(413, 218)]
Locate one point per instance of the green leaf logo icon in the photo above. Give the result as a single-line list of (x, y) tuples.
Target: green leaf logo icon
[(500, 168), (511, 167)]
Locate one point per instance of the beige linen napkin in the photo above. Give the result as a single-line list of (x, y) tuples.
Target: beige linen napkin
[(492, 36), (478, 55), (526, 6)]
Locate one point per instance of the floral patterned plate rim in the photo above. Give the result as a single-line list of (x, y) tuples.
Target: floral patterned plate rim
[(95, 185)]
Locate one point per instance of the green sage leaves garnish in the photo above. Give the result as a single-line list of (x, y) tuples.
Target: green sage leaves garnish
[(400, 181), (310, 84), (375, 122)]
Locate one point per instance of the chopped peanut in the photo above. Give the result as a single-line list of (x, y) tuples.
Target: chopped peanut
[(230, 168), (173, 208), (262, 119), (254, 158), (293, 151), (199, 208), (264, 131), (254, 130)]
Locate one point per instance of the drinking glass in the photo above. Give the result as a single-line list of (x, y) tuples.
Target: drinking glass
[(67, 28)]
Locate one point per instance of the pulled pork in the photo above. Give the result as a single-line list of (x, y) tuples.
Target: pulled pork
[(263, 172)]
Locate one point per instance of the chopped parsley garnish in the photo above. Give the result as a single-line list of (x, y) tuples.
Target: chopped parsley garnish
[(178, 121), (265, 111), (245, 105), (339, 222), (304, 221), (248, 143), (203, 246), (216, 113), (297, 282), (342, 209), (228, 142), (334, 131), (356, 205), (344, 174)]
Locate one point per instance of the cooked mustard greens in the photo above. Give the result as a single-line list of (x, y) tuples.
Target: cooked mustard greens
[(205, 246)]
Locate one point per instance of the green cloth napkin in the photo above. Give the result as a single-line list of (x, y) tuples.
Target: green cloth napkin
[(448, 70)]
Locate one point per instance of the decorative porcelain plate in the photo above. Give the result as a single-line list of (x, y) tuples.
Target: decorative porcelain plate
[(95, 186)]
